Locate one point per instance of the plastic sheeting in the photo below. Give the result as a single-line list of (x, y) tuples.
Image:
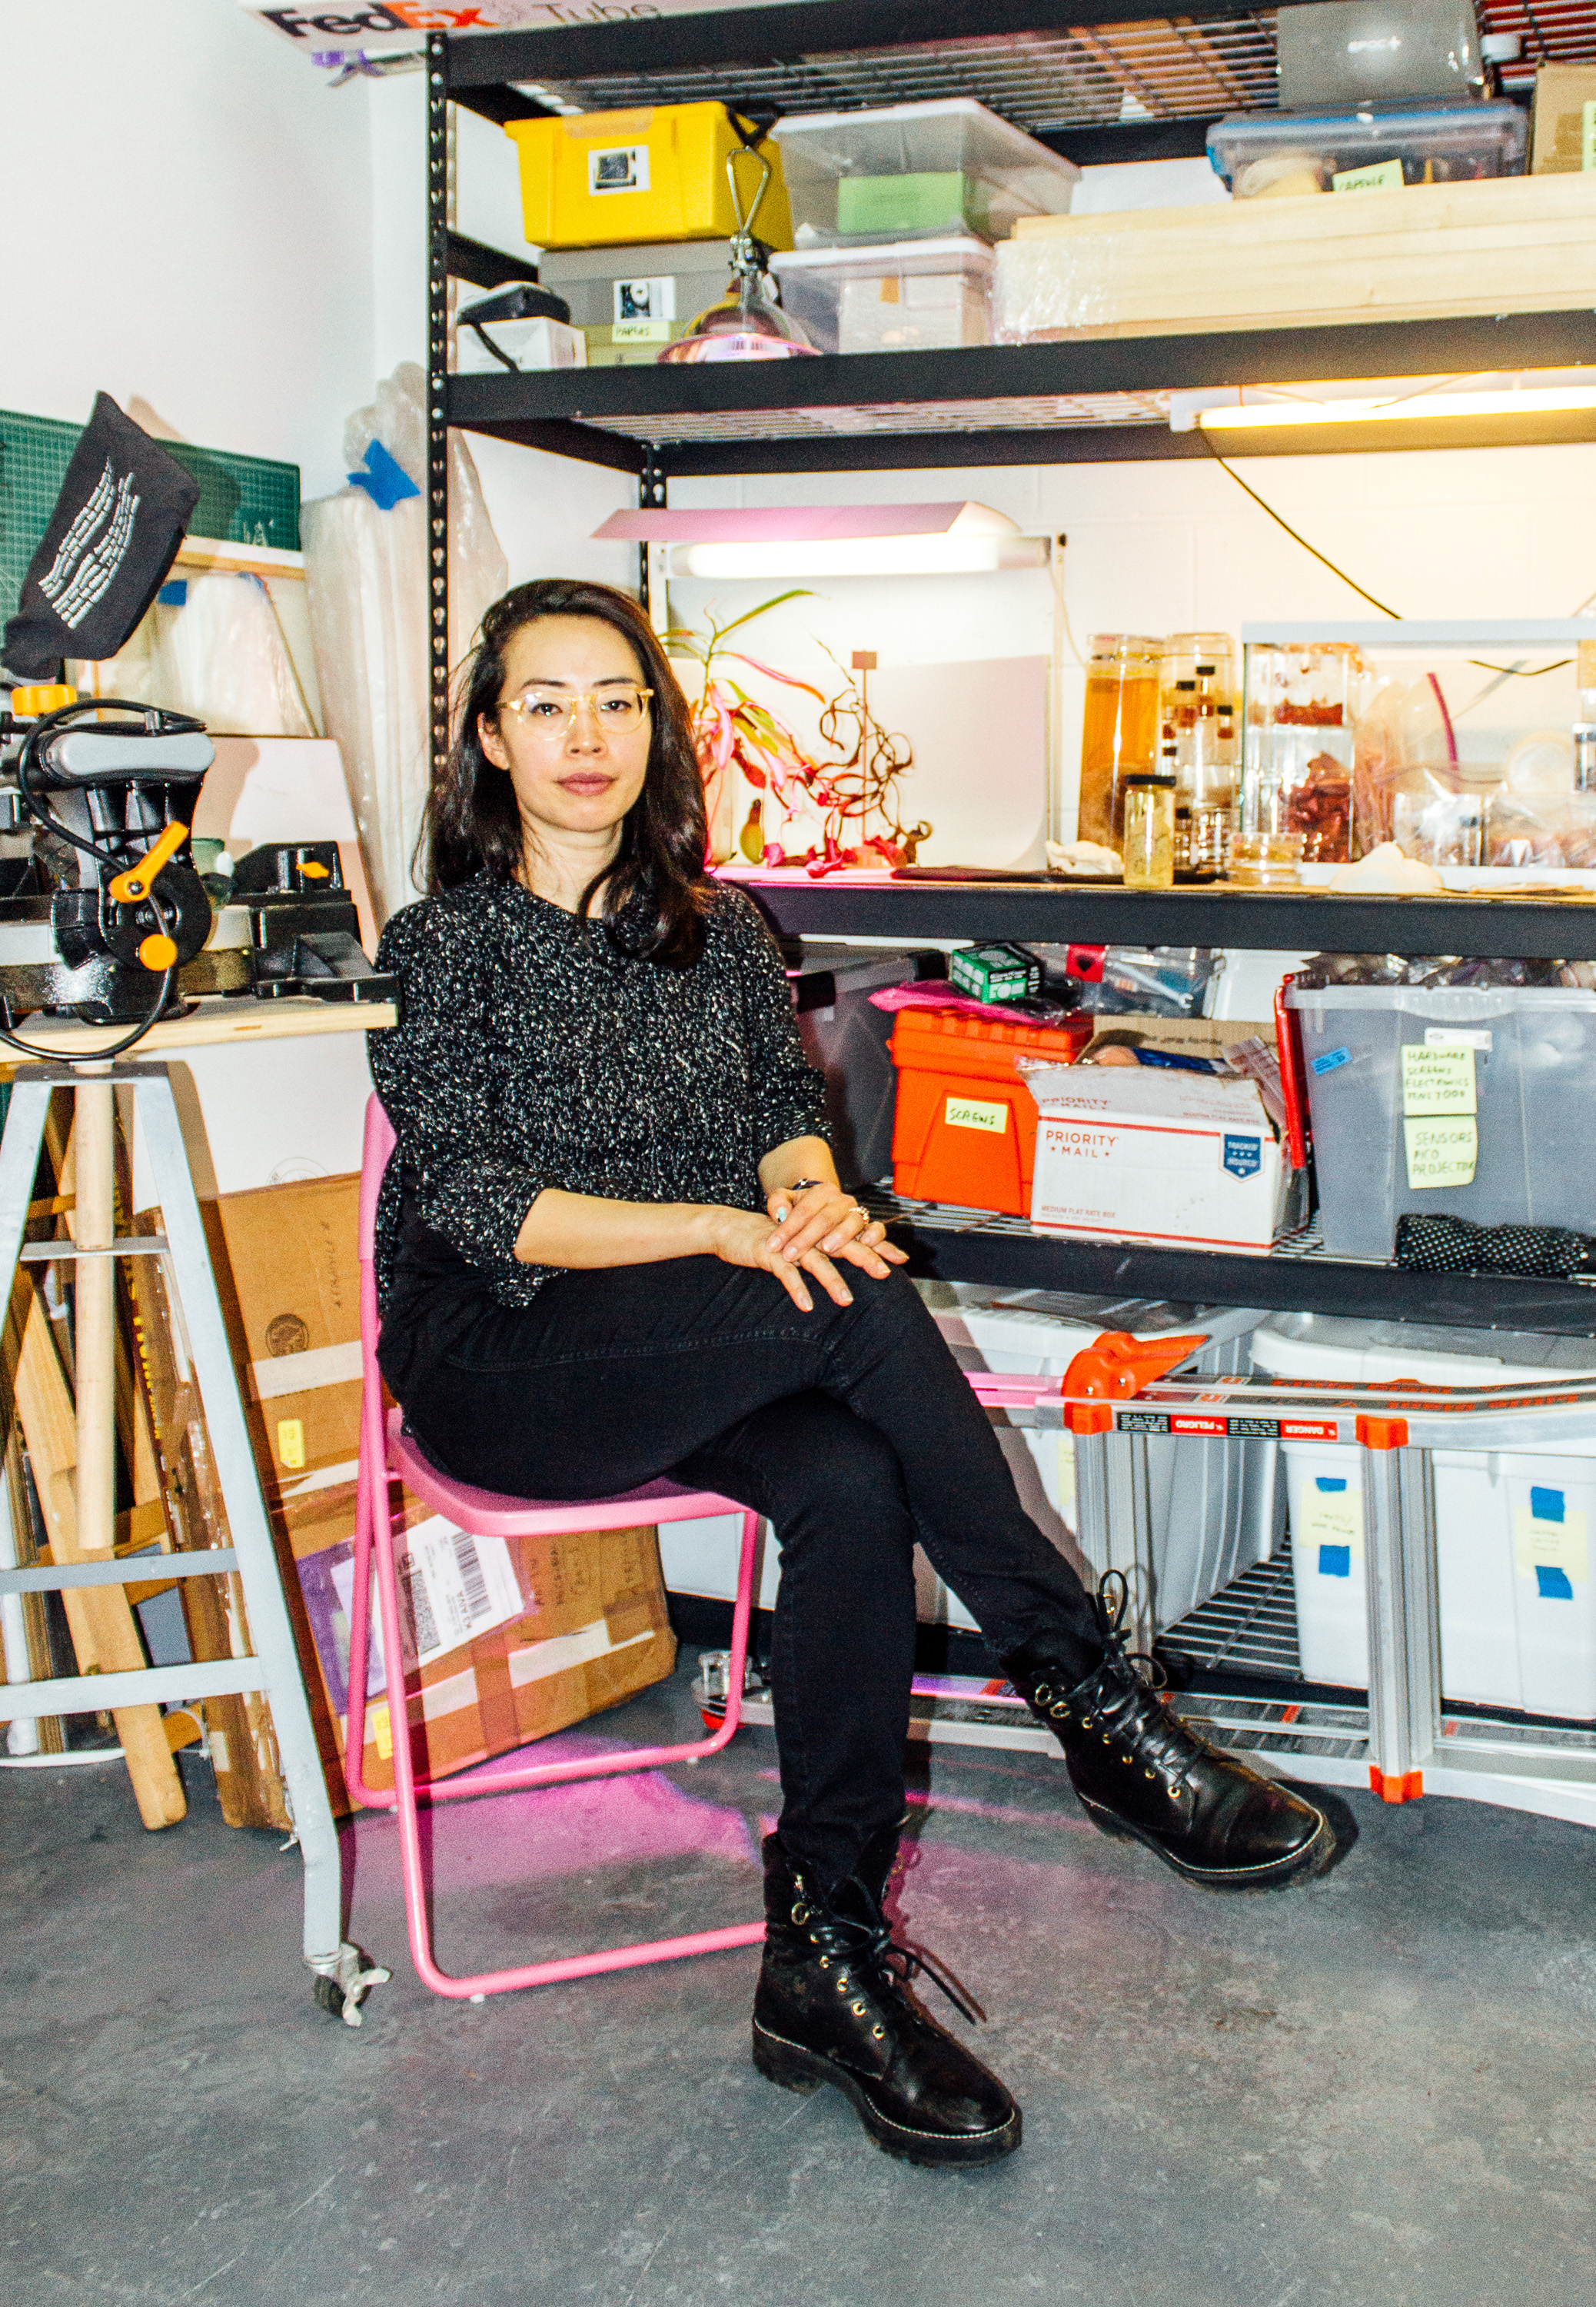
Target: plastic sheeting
[(367, 574), (218, 653)]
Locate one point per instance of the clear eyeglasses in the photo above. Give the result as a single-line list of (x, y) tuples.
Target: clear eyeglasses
[(549, 714)]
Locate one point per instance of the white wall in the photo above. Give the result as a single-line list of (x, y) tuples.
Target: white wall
[(1171, 546), (187, 205)]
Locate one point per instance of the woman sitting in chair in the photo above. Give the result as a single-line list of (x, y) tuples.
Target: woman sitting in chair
[(612, 1246)]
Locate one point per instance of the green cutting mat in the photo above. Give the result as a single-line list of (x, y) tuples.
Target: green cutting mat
[(245, 499)]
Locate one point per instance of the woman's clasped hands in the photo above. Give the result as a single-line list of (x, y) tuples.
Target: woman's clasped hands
[(813, 1226)]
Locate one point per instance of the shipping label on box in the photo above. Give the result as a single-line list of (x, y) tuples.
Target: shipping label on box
[(1142, 1156)]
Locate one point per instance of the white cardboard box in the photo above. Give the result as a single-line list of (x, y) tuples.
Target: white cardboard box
[(1139, 1154)]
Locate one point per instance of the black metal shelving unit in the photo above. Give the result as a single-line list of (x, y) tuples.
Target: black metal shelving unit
[(1067, 70)]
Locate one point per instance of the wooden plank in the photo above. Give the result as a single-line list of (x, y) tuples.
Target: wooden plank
[(1427, 251), (217, 1018), (105, 1634), (242, 1744)]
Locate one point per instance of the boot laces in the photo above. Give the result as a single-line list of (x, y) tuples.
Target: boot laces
[(871, 1947), (1159, 1734)]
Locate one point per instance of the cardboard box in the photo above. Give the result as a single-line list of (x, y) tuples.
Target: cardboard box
[(510, 1641), (585, 1628), (1562, 140), (1134, 1154)]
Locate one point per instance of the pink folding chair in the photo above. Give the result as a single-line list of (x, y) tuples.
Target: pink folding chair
[(386, 1454)]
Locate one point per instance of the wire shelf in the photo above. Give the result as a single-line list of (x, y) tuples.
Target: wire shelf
[(1039, 413), (1087, 76)]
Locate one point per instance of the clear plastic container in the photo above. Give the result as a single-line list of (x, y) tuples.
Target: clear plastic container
[(1149, 832), (916, 171), (1301, 716), (1276, 154), (896, 296), (1214, 1508), (1511, 1635), (1504, 1136)]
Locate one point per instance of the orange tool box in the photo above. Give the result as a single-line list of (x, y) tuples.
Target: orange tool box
[(966, 1125)]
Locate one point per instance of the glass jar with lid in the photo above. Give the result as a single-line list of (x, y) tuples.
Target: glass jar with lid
[(1302, 705), (1150, 830), (1119, 735)]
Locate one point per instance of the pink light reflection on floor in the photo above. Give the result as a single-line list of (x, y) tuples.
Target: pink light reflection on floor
[(543, 1833)]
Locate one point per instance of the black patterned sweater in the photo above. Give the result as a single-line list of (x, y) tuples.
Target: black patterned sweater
[(530, 1052)]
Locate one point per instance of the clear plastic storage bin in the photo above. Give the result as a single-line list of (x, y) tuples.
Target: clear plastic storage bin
[(914, 171), (901, 296), (1474, 1102), (1214, 1505), (1517, 1607), (1284, 153)]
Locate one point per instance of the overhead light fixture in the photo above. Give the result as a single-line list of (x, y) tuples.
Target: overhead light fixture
[(912, 540), (1414, 400)]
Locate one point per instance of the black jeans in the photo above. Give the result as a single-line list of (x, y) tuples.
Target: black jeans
[(851, 1428)]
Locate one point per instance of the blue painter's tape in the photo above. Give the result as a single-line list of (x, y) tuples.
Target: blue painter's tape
[(1554, 1585), (1546, 1505), (1336, 1562), (173, 592), (1331, 1059), (1329, 1482)]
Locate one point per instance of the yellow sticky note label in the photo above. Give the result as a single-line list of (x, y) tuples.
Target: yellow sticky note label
[(1438, 1079), (640, 333), (1330, 1518), (1562, 1546), (975, 1113), (1441, 1153), (1379, 176), (380, 1731), (291, 1442)]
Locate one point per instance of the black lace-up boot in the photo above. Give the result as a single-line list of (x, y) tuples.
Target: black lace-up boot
[(834, 2006), (1140, 1771)]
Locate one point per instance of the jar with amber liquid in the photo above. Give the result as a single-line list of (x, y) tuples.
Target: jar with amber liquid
[(1119, 735), (1149, 831)]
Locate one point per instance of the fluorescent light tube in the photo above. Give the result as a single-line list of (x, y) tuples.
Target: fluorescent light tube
[(860, 556)]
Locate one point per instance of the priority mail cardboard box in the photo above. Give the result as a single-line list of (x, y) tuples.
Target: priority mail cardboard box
[(1133, 1155)]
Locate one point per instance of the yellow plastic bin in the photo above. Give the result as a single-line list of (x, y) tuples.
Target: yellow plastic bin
[(596, 179)]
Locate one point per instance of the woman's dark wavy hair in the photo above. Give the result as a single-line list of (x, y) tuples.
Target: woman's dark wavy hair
[(657, 891)]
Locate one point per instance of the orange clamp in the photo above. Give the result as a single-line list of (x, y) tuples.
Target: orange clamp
[(1089, 1416), (1381, 1433), (139, 879), (1116, 1366)]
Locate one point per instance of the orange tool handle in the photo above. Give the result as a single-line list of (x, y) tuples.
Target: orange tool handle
[(139, 879), (1116, 1366)]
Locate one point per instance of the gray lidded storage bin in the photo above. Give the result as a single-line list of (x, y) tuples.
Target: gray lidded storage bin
[(1535, 1096)]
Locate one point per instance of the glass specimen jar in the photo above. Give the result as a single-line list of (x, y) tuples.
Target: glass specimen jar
[(1149, 831), (1119, 736), (1300, 720)]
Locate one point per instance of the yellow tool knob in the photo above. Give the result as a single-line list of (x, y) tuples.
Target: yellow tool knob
[(139, 879), (157, 952), (41, 697)]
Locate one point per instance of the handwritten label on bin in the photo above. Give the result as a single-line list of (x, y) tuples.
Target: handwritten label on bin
[(976, 1113), (1441, 1153), (1379, 177), (1438, 1080)]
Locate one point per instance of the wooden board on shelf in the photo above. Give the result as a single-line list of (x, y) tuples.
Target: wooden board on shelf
[(1427, 251)]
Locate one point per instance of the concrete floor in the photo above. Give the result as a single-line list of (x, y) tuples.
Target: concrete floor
[(1377, 2091)]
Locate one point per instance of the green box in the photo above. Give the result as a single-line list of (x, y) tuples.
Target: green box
[(995, 972), (941, 200)]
